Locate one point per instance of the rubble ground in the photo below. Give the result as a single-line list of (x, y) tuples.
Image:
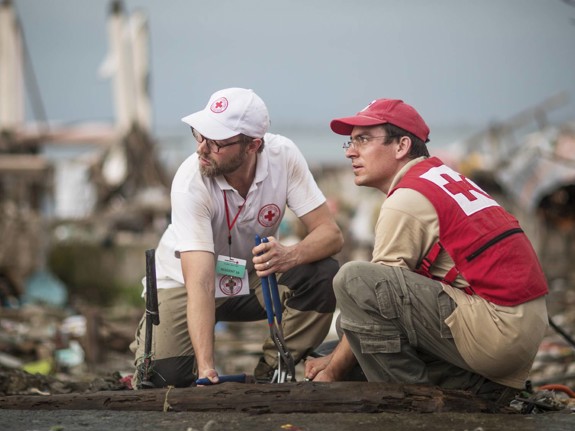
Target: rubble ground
[(51, 350), (20, 420)]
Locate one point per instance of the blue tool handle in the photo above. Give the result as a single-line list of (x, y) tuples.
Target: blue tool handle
[(238, 378), (266, 292), (276, 298), (275, 294)]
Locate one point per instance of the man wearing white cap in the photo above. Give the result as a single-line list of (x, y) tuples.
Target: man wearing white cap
[(236, 186), (454, 295)]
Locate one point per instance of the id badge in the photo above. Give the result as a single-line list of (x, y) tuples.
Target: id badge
[(231, 277)]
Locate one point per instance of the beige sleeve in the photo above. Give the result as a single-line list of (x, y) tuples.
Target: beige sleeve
[(406, 229)]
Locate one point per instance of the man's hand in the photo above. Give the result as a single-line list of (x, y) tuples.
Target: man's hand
[(333, 367), (271, 257), (323, 239), (316, 369), (210, 374)]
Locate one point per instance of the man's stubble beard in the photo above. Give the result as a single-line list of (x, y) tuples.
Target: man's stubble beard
[(228, 167)]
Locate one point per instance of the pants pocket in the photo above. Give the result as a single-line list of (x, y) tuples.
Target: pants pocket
[(385, 300), (370, 344), (446, 307)]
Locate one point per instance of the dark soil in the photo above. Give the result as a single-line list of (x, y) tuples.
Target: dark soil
[(67, 420)]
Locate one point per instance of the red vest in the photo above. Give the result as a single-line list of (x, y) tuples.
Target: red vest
[(488, 246)]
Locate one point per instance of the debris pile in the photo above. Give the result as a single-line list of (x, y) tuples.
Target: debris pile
[(555, 360), (57, 350), (53, 350)]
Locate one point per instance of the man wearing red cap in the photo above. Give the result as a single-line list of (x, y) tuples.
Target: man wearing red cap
[(236, 185), (454, 294)]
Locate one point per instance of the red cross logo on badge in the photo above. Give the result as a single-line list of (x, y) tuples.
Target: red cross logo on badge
[(219, 105), (230, 286), (269, 215)]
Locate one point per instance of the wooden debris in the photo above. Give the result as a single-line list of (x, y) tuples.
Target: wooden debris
[(300, 397)]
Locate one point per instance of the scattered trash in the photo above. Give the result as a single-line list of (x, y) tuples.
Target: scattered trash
[(43, 288), (72, 356), (9, 361), (291, 427), (44, 367), (541, 402), (127, 381), (74, 326)]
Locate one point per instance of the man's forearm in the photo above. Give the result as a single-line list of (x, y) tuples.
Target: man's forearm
[(201, 321), (324, 241), (199, 276)]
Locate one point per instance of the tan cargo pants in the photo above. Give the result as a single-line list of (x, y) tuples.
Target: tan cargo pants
[(394, 320), (308, 305)]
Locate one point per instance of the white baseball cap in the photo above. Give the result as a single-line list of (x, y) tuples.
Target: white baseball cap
[(231, 112)]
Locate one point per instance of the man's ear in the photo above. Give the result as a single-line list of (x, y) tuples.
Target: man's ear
[(255, 145), (403, 147)]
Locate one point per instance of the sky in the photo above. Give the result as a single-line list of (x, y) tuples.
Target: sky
[(456, 61)]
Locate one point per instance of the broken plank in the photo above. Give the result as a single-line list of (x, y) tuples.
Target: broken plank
[(304, 397)]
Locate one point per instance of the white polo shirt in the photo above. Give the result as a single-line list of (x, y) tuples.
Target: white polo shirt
[(199, 209)]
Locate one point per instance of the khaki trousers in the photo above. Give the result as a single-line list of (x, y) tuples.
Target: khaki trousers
[(308, 305), (394, 320)]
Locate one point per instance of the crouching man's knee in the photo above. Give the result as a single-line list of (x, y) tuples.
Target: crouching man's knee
[(312, 286)]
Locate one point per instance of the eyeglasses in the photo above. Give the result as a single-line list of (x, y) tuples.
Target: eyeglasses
[(213, 145), (361, 141)]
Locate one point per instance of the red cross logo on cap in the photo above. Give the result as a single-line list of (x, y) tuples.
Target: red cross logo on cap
[(269, 215), (219, 105)]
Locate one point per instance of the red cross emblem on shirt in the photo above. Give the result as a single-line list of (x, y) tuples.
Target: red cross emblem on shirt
[(269, 215)]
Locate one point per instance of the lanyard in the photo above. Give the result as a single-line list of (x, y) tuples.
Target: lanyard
[(233, 223)]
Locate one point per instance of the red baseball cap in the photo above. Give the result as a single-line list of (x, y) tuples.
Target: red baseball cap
[(383, 111)]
